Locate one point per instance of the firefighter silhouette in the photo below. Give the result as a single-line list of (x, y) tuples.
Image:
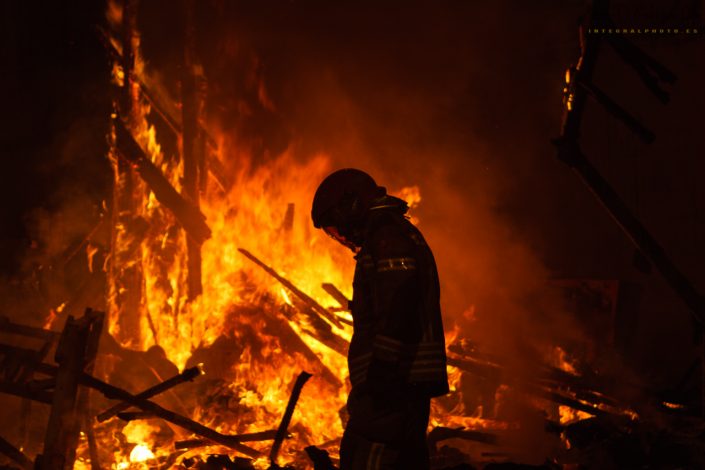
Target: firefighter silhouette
[(396, 359)]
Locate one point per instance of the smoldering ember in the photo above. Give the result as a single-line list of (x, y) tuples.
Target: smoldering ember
[(166, 302)]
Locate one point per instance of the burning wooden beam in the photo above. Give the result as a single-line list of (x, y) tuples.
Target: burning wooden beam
[(248, 437), (315, 306), (24, 428), (312, 309), (135, 415), (115, 393), (171, 118), (570, 153), (86, 423), (17, 365), (92, 443), (186, 376), (78, 339), (441, 433), (126, 276), (25, 391), (592, 404), (75, 353), (294, 343), (193, 147), (337, 295), (286, 419), (288, 222), (15, 454), (190, 217)]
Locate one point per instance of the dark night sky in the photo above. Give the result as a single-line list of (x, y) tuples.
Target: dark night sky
[(472, 87)]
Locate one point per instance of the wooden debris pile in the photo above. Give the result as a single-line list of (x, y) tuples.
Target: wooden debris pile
[(65, 387)]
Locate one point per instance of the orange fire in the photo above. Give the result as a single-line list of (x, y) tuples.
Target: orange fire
[(250, 216), (243, 304)]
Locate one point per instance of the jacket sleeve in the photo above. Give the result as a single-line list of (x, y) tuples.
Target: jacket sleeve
[(396, 293)]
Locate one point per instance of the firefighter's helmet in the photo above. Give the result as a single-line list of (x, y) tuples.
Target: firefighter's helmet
[(342, 199)]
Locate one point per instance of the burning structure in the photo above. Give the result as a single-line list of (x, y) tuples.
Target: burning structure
[(218, 295)]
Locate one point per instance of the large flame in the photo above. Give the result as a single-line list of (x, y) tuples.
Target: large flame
[(239, 302), (242, 303), (267, 213)]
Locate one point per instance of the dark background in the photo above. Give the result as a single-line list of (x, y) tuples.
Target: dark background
[(461, 98)]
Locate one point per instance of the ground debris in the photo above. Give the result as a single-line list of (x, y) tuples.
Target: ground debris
[(598, 443), (519, 466), (447, 458), (218, 462)]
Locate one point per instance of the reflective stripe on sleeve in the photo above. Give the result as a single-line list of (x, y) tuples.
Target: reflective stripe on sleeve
[(396, 264), (357, 367), (375, 457), (386, 348)]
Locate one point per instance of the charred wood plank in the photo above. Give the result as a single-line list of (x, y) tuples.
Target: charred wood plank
[(286, 419), (23, 330), (92, 344), (570, 153), (64, 425), (217, 169), (594, 390), (24, 428), (92, 443), (18, 351), (15, 360), (115, 393), (248, 437), (315, 306), (645, 134), (485, 370), (15, 454), (135, 415), (294, 341), (576, 99), (337, 295), (556, 397), (288, 221), (319, 331), (495, 372), (129, 30), (189, 216), (186, 376), (441, 433), (167, 113), (37, 359), (25, 391), (194, 267), (316, 311), (193, 148), (169, 117), (634, 229), (41, 384), (643, 64)]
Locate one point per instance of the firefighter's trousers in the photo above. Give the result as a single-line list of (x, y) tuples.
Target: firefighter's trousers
[(386, 430)]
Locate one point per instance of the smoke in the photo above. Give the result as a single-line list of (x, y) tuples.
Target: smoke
[(460, 99), (413, 96), (56, 173)]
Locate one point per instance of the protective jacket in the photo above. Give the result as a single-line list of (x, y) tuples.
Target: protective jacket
[(398, 333)]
